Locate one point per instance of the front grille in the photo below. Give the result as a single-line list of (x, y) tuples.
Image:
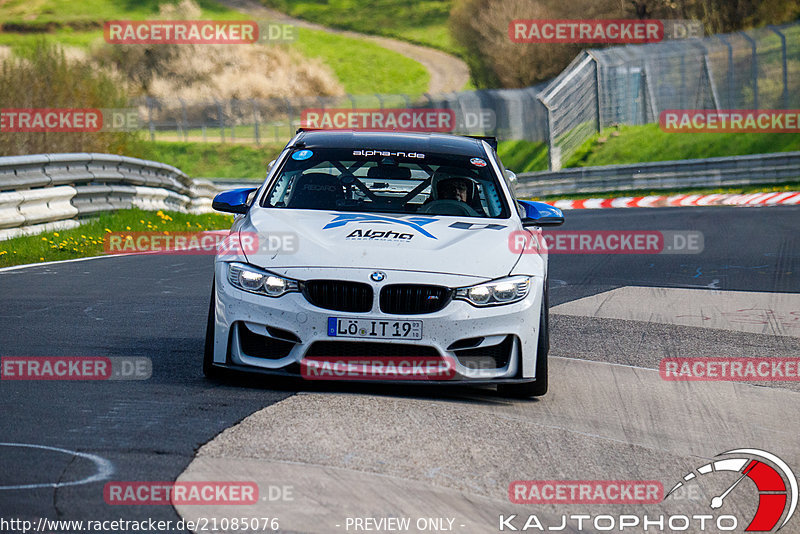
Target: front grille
[(259, 346), (413, 299), (369, 349), (339, 295), (493, 357)]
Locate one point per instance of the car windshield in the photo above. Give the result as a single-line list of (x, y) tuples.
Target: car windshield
[(389, 182)]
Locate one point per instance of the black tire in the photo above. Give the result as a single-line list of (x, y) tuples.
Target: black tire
[(539, 386), (208, 354)]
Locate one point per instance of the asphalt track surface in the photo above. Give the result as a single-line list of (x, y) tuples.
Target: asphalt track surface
[(155, 306)]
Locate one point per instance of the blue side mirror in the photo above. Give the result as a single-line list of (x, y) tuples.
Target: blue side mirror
[(233, 201), (541, 214)]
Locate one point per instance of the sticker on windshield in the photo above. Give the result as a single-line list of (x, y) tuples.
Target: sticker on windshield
[(300, 155), (387, 153), (478, 162)]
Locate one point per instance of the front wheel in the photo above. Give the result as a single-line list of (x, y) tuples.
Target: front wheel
[(208, 354), (539, 387)]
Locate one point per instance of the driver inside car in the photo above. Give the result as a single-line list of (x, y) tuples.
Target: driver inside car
[(454, 189), (452, 193)]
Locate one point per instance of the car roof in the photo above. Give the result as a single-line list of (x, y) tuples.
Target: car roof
[(392, 141)]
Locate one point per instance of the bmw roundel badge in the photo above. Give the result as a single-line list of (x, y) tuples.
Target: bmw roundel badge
[(378, 276)]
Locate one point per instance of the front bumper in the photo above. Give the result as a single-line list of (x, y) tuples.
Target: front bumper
[(273, 335)]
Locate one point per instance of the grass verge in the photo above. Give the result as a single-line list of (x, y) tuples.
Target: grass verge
[(87, 240), (635, 144), (363, 67), (423, 22), (214, 160), (523, 156)]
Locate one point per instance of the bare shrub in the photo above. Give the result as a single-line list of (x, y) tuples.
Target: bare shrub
[(208, 71), (481, 26), (45, 78)]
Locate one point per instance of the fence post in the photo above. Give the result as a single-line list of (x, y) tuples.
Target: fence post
[(221, 121), (785, 95), (150, 119), (184, 120), (552, 150), (289, 114), (707, 69), (643, 91), (753, 67), (255, 122), (729, 104), (597, 96)]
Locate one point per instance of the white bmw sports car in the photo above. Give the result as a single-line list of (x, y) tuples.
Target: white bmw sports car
[(383, 256)]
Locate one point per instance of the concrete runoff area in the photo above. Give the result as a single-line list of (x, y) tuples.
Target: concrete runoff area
[(776, 314), (350, 455)]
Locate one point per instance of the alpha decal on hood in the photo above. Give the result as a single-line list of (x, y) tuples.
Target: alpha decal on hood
[(416, 223), (371, 233)]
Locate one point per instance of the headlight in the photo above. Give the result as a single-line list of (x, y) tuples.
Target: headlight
[(254, 280), (503, 291)]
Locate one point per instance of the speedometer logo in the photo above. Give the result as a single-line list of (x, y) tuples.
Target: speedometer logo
[(774, 480)]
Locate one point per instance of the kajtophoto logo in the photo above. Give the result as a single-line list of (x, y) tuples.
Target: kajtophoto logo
[(714, 497), (774, 480)]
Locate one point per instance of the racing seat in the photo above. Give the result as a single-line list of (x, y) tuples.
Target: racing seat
[(316, 191)]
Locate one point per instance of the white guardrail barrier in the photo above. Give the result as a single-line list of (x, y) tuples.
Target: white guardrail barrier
[(43, 192)]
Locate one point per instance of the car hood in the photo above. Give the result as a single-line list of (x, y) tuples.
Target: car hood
[(437, 244)]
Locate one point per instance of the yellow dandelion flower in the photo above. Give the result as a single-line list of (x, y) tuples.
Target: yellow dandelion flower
[(55, 234), (44, 239), (108, 231)]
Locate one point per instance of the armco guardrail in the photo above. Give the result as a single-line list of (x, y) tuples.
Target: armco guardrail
[(754, 169), (40, 190)]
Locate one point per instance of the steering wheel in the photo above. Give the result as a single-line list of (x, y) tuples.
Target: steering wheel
[(449, 207)]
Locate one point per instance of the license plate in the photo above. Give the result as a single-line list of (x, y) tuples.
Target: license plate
[(374, 328)]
